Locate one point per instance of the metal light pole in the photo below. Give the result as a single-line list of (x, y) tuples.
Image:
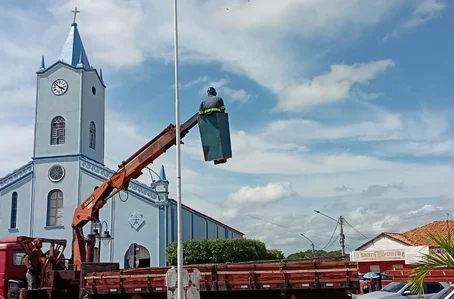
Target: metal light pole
[(177, 143), (312, 244)]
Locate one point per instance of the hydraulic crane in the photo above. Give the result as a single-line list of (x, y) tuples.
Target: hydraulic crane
[(129, 169)]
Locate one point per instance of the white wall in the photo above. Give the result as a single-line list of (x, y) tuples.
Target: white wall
[(42, 186), (49, 106), (385, 243), (23, 189), (93, 109)]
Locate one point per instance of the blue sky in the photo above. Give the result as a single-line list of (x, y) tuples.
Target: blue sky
[(343, 109)]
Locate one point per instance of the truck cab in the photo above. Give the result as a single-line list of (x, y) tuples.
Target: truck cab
[(12, 269)]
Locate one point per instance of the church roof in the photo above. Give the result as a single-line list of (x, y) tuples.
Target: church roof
[(73, 50), (16, 175)]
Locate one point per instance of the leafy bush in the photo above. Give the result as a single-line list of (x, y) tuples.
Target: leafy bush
[(316, 254), (274, 254), (221, 251)]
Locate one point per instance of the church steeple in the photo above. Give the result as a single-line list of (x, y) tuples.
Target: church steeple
[(73, 50)]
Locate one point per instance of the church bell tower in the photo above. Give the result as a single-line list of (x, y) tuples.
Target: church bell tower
[(70, 105), (69, 126)]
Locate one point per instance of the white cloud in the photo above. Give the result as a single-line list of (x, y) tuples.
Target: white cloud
[(222, 88), (423, 132), (288, 153), (420, 148), (425, 209), (281, 227), (368, 96), (226, 92), (260, 195), (333, 86), (17, 148), (198, 81), (379, 127), (423, 12), (270, 61), (377, 190), (276, 154)]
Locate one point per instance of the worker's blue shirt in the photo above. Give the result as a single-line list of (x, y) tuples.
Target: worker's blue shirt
[(212, 104)]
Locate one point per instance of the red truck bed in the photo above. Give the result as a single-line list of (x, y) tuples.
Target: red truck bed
[(440, 274), (297, 274)]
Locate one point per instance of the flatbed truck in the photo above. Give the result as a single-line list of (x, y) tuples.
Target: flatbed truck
[(280, 279)]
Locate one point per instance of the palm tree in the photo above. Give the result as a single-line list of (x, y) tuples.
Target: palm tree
[(443, 258)]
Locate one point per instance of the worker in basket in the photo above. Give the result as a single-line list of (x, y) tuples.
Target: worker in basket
[(213, 103)]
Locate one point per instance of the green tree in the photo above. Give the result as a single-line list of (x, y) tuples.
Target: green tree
[(221, 251), (317, 253), (444, 258), (274, 254)]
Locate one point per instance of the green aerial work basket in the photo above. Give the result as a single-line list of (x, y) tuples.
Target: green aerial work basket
[(215, 136)]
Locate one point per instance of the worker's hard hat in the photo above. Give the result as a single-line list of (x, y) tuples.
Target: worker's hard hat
[(211, 90)]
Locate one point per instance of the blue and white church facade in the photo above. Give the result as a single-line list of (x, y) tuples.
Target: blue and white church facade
[(39, 198)]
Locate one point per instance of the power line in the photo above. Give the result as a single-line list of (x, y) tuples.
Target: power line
[(426, 214), (332, 243), (357, 231), (328, 244)]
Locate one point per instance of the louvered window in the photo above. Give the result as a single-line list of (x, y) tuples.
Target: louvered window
[(92, 135), (13, 219), (57, 135)]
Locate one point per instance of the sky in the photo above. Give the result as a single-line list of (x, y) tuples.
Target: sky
[(338, 106)]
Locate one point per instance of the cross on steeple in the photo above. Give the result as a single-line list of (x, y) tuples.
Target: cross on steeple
[(75, 11)]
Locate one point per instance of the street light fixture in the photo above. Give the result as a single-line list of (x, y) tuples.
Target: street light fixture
[(318, 212), (312, 244), (105, 238)]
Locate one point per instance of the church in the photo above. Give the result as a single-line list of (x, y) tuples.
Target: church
[(39, 198)]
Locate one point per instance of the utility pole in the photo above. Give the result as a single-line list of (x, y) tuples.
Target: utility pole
[(342, 236), (340, 221)]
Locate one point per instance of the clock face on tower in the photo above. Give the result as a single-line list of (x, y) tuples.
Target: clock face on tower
[(59, 87)]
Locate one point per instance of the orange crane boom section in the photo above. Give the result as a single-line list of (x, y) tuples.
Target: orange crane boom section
[(129, 169)]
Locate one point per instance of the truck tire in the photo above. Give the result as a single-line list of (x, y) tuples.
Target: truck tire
[(13, 293)]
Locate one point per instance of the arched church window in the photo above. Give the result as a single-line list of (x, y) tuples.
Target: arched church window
[(137, 256), (55, 208), (13, 219), (57, 130), (92, 135)]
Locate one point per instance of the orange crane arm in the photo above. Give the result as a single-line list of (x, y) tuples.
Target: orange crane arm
[(129, 169)]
